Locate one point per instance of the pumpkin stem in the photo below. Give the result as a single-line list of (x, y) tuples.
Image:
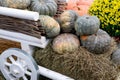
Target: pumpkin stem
[(84, 37)]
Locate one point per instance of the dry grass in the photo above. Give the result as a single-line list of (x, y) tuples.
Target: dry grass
[(80, 65)]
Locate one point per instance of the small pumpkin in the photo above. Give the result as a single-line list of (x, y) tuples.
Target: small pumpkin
[(19, 4), (97, 43), (65, 43), (87, 25), (50, 25), (68, 19), (44, 7), (80, 6), (116, 57)]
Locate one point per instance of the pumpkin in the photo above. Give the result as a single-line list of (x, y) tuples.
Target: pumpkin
[(97, 43), (67, 19), (44, 7), (0, 3), (50, 25), (116, 57), (80, 6), (20, 4), (65, 43), (87, 25)]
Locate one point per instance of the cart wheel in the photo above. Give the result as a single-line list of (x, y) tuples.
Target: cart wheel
[(16, 64)]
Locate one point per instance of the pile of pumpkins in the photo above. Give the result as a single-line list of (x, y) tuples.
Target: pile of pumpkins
[(79, 31), (70, 30)]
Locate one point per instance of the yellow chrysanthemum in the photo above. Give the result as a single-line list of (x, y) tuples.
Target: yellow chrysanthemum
[(108, 11)]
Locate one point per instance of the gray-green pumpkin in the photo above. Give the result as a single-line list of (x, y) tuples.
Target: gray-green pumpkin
[(65, 43), (44, 7), (68, 19), (87, 25), (97, 43), (116, 57), (50, 25), (19, 4)]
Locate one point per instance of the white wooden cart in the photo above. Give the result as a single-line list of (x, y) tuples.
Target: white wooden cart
[(24, 65)]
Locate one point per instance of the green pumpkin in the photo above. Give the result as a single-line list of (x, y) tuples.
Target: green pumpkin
[(68, 19), (19, 4), (44, 7), (65, 43), (116, 57), (50, 25), (97, 43), (87, 25)]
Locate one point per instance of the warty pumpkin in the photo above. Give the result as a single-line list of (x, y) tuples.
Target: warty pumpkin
[(65, 43), (97, 43), (68, 19), (50, 25), (87, 25), (44, 7), (19, 4)]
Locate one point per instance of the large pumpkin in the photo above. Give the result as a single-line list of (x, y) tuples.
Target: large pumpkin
[(97, 43), (87, 25), (116, 57), (80, 6), (65, 43), (44, 7), (50, 25), (20, 4), (68, 19)]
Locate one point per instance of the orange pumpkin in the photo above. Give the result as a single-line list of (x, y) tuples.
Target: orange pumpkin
[(80, 6)]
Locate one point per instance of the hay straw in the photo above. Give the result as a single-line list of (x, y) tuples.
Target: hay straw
[(80, 65), (1, 76)]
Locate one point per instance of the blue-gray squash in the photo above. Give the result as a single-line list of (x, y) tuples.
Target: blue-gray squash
[(87, 25), (44, 7)]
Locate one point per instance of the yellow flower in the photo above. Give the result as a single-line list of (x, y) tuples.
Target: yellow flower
[(108, 11)]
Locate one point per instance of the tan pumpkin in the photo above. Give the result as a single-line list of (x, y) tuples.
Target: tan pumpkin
[(65, 43), (97, 43), (68, 19), (44, 7), (20, 4), (50, 25)]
